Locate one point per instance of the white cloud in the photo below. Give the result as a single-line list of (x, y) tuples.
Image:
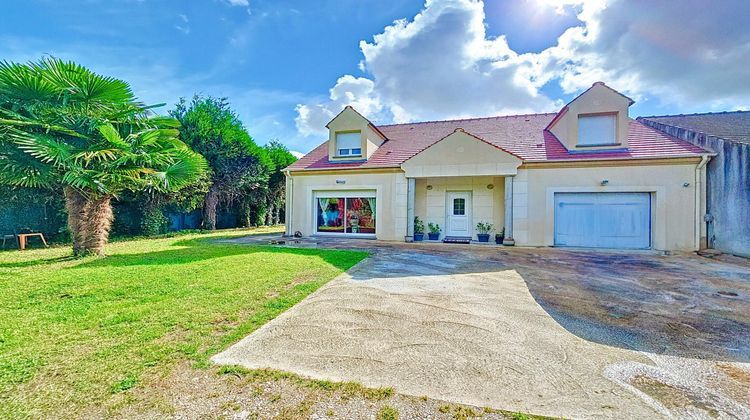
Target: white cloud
[(686, 53), (442, 64), (183, 27), (296, 154), (358, 92), (243, 3)]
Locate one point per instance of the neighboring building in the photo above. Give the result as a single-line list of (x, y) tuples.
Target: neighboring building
[(728, 175), (586, 176)]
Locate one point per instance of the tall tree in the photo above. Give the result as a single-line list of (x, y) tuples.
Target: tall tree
[(275, 197), (237, 164), (64, 126)]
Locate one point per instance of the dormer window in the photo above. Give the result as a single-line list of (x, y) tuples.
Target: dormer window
[(597, 130), (349, 144)]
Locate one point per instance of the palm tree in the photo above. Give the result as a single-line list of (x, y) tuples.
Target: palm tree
[(63, 126)]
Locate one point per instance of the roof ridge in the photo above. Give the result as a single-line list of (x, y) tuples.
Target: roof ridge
[(468, 119), (739, 111)]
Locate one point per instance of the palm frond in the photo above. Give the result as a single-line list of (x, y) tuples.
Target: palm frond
[(42, 147), (149, 137), (19, 175), (110, 134), (25, 83), (186, 169), (79, 84), (83, 180), (61, 121), (164, 122), (97, 155)]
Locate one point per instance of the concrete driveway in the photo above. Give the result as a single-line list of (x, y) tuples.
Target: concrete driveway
[(546, 331)]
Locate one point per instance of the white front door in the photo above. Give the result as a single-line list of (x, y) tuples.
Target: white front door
[(458, 217)]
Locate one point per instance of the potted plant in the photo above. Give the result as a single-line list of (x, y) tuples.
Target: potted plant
[(500, 237), (418, 229), (434, 234), (483, 231)]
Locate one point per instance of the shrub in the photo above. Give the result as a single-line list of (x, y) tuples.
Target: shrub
[(418, 225), (434, 227), (484, 228), (153, 221)]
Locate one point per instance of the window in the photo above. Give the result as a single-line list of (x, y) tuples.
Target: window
[(348, 144), (596, 130), (330, 215), (360, 215), (354, 215), (459, 206)]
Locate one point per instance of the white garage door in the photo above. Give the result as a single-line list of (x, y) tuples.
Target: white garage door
[(603, 220)]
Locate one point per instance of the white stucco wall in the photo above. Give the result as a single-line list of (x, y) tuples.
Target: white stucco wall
[(390, 194), (672, 206), (460, 155), (598, 100)]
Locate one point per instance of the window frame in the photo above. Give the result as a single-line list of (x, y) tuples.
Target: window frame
[(349, 150), (614, 142), (345, 195), (463, 206)]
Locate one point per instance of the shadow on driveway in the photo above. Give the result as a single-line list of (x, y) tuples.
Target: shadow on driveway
[(681, 305), (687, 306)]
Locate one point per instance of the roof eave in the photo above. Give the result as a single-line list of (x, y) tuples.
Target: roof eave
[(624, 159)]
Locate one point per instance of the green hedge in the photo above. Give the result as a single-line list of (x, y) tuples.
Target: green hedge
[(23, 209), (31, 209)]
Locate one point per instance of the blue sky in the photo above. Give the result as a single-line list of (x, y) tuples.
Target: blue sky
[(281, 62)]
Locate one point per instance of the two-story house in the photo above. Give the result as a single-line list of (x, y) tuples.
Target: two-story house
[(586, 176)]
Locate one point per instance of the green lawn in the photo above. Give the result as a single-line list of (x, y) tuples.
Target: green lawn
[(78, 334)]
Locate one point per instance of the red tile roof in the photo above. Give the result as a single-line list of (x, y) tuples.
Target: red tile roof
[(522, 135)]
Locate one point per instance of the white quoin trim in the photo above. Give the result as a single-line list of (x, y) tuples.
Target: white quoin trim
[(509, 211)]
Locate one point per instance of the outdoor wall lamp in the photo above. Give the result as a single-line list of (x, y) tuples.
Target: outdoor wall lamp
[(687, 184), (604, 182), (429, 187)]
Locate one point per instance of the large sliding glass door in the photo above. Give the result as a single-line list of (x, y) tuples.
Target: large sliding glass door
[(350, 212)]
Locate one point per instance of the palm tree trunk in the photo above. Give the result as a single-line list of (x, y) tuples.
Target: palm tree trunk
[(97, 224), (209, 207), (75, 204), (276, 213)]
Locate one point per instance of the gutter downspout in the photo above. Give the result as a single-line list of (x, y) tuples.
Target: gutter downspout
[(288, 217), (699, 187)]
